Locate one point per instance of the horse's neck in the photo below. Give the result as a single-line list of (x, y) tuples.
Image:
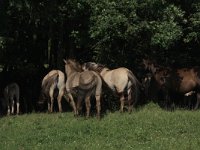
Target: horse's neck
[(157, 69), (153, 69), (72, 74), (104, 71)]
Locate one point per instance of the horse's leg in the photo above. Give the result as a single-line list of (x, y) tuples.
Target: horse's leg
[(8, 111), (17, 108), (72, 103), (13, 106), (88, 105), (130, 103), (198, 101), (17, 100), (79, 104), (59, 99), (8, 105), (49, 105), (51, 98), (98, 105), (122, 102), (169, 103), (52, 101)]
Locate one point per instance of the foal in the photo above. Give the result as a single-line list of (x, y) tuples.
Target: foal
[(11, 96)]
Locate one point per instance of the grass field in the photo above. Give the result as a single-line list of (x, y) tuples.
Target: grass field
[(147, 128)]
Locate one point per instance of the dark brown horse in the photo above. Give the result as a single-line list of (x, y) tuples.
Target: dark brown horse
[(11, 96), (175, 81), (83, 84), (120, 80)]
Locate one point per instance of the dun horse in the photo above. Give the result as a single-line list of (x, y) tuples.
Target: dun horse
[(54, 79), (176, 81), (11, 96), (120, 80), (84, 83)]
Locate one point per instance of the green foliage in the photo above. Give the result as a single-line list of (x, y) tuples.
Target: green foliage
[(110, 19), (131, 27), (166, 34), (147, 128), (107, 31), (167, 31), (194, 25), (112, 24)]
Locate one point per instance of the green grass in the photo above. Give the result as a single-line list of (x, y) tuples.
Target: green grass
[(147, 128)]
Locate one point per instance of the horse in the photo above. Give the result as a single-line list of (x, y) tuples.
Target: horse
[(84, 84), (121, 81), (11, 96), (55, 79), (175, 81)]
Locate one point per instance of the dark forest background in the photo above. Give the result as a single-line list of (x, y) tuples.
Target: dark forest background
[(36, 35)]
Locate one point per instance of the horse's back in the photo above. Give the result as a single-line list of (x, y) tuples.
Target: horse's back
[(11, 90), (54, 72), (54, 75), (180, 80), (89, 79), (117, 74), (189, 79), (117, 79), (86, 77)]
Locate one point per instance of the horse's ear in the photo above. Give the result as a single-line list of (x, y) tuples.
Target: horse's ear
[(64, 61), (144, 61)]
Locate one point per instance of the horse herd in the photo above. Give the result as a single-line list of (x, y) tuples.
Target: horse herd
[(88, 79)]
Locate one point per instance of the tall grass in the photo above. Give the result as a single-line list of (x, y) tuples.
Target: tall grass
[(147, 128)]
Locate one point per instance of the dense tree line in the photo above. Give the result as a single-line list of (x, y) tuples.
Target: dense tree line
[(113, 32), (39, 33)]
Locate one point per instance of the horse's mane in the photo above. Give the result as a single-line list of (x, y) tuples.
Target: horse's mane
[(99, 67), (75, 65), (158, 67)]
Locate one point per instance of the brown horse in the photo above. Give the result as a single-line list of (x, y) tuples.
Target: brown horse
[(84, 83), (176, 81), (11, 96), (54, 79), (120, 80)]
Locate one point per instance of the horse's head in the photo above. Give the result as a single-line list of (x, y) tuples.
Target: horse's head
[(150, 65), (72, 65), (89, 66), (146, 64), (146, 83)]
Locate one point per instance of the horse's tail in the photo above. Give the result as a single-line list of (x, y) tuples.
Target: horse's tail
[(135, 89), (47, 83)]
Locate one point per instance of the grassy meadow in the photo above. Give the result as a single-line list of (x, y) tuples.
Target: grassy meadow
[(149, 127)]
